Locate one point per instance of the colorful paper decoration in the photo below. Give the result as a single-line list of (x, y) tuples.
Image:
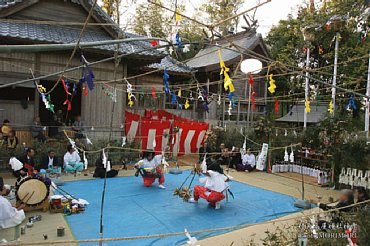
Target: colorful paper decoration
[(331, 107), (154, 93), (87, 74), (173, 98), (276, 106), (191, 98), (352, 103), (200, 94), (272, 86), (154, 43), (178, 39), (228, 84), (178, 17), (47, 101), (230, 108), (67, 101), (165, 82), (219, 100), (253, 101), (84, 90), (307, 105), (179, 93), (251, 81), (187, 105)]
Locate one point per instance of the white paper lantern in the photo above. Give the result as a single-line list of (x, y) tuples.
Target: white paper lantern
[(252, 66)]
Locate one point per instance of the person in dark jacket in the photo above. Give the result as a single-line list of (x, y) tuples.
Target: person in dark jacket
[(235, 158), (28, 164), (51, 163), (214, 164), (100, 169), (203, 150)]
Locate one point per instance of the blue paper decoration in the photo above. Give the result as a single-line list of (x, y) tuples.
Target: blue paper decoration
[(87, 74), (165, 81), (178, 39), (352, 103)]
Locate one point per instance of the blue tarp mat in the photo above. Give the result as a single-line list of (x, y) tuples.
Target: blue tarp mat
[(132, 209)]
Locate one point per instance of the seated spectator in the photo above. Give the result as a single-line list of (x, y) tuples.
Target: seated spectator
[(37, 130), (214, 164), (12, 141), (78, 127), (5, 130), (100, 169), (248, 162), (224, 154), (9, 215), (51, 163), (203, 150), (72, 161), (235, 158), (28, 164)]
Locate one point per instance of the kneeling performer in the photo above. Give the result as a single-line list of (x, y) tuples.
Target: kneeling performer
[(150, 169), (214, 186)]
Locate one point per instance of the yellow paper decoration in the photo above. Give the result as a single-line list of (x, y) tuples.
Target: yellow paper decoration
[(308, 108), (228, 83), (272, 86), (41, 89), (331, 107), (130, 102), (179, 93), (187, 105), (178, 16)]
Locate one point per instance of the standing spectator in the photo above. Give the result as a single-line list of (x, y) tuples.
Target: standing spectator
[(5, 130), (248, 162), (203, 150), (78, 127), (37, 130)]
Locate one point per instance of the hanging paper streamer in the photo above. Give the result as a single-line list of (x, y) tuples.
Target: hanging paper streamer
[(276, 106), (286, 133), (245, 144), (272, 86), (276, 132), (205, 106), (104, 159), (67, 101), (352, 103), (164, 163), (123, 141), (200, 95), (165, 81), (178, 39), (191, 98), (230, 108), (87, 74), (85, 160), (187, 105), (45, 99), (173, 98), (307, 105), (291, 157), (88, 141), (294, 133), (179, 93), (331, 107), (253, 101), (228, 84), (154, 43), (286, 156), (130, 96), (231, 94), (177, 18), (154, 93), (251, 81), (219, 100), (84, 89), (65, 87)]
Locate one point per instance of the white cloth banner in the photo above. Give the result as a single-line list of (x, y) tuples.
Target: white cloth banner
[(261, 160)]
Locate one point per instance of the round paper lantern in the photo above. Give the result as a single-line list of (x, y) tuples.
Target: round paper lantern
[(253, 66)]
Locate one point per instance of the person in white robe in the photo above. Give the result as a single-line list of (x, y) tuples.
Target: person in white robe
[(72, 161), (248, 162), (9, 215)]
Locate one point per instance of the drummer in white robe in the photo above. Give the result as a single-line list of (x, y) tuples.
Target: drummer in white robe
[(9, 215), (72, 161)]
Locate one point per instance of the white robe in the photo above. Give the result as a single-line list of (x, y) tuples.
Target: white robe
[(71, 158), (156, 161), (215, 182), (9, 216), (249, 160)]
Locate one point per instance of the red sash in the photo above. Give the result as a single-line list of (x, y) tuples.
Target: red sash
[(29, 168)]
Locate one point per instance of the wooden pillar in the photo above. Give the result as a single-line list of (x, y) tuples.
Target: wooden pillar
[(238, 115)]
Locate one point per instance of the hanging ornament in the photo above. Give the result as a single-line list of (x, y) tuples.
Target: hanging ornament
[(187, 105), (165, 81), (191, 98), (84, 89), (228, 84), (230, 108), (87, 74), (251, 81), (352, 103), (253, 101), (179, 93), (276, 105), (272, 86), (286, 156), (154, 43), (331, 107), (154, 93), (307, 105), (85, 160), (321, 50)]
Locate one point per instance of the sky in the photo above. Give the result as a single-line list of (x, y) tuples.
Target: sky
[(267, 15)]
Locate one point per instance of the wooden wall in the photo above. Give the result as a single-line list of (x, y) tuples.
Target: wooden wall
[(13, 111)]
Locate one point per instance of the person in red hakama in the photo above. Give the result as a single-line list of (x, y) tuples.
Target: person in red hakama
[(150, 169)]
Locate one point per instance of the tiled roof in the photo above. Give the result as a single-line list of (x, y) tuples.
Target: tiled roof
[(172, 65), (209, 55), (63, 34), (8, 3)]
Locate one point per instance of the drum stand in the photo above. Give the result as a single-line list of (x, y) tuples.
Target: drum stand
[(44, 206)]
